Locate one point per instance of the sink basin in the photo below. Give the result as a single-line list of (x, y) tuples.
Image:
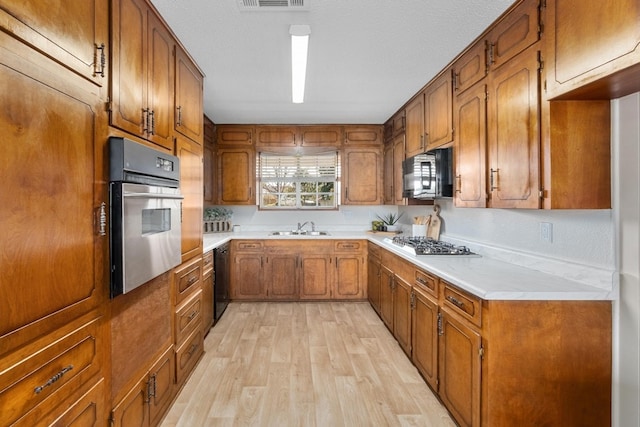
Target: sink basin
[(299, 233)]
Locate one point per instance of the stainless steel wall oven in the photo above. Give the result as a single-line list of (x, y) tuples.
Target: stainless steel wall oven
[(145, 207)]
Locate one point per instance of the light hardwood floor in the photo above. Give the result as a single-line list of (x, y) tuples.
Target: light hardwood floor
[(304, 364)]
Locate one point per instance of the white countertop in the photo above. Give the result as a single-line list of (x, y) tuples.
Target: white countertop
[(486, 277)]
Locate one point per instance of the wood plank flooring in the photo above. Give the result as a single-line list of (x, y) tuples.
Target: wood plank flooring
[(304, 364)]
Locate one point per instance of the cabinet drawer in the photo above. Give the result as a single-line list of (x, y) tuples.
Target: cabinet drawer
[(427, 282), (188, 354), (187, 279), (51, 373), (348, 245), (188, 316), (252, 246), (207, 262), (462, 303)]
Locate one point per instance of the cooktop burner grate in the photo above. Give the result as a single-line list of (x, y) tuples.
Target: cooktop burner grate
[(429, 246)]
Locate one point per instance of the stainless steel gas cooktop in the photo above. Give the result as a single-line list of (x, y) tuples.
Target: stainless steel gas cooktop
[(428, 246)]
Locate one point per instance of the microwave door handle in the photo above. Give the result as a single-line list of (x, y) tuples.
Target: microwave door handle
[(154, 196)]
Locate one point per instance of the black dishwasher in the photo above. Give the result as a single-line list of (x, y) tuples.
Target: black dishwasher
[(221, 288)]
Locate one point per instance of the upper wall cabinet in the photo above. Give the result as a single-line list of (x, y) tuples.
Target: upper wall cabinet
[(362, 176), (470, 67), (355, 135), (234, 135), (143, 73), (285, 137), (414, 126), (75, 35), (188, 109), (593, 48), (438, 112)]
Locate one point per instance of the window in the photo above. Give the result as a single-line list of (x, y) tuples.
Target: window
[(298, 182)]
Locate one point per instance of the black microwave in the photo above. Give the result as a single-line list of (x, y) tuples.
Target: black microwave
[(428, 175)]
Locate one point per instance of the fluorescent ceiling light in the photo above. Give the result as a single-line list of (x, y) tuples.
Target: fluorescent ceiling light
[(299, 48)]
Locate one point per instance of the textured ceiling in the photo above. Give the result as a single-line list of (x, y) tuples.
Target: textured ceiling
[(366, 57)]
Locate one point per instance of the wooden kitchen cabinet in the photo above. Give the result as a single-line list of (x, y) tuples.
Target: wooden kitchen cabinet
[(470, 67), (514, 132), (388, 175), (282, 276), (54, 250), (402, 313), (142, 90), (424, 335), (362, 176), (438, 112), (234, 135), (284, 137), (246, 274), (76, 36), (328, 136), (276, 136), (373, 276), (593, 51), (470, 147), (414, 126), (188, 111), (350, 274), (236, 176), (513, 33), (191, 184), (398, 177), (315, 276), (460, 350), (208, 286), (209, 166), (363, 135), (386, 297), (147, 401)]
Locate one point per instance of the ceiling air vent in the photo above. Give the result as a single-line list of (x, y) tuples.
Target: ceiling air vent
[(266, 5)]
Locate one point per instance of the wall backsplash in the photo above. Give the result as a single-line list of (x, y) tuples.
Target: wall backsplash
[(580, 236)]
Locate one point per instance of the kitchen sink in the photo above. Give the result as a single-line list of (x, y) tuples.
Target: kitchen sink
[(299, 233)]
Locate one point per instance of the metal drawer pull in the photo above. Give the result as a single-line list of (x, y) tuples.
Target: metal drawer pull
[(192, 280), (455, 301), (192, 315), (53, 379), (421, 281)]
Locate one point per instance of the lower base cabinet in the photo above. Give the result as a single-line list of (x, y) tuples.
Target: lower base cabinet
[(501, 363), (148, 400)]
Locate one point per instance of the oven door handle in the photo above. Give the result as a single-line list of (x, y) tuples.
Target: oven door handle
[(154, 196)]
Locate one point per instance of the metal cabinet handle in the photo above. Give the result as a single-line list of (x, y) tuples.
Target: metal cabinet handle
[(455, 301), (53, 379), (491, 179), (100, 61)]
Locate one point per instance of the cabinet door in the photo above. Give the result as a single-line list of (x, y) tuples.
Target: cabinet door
[(159, 128), (315, 276), (349, 277), (234, 135), (133, 410), (373, 283), (321, 136), (162, 382), (208, 173), (362, 176), (129, 65), (75, 33), (402, 313), (514, 133), (470, 145), (517, 31), (470, 68), (189, 98), (591, 41), (398, 177), (388, 176), (438, 112), (386, 296), (246, 276), (236, 176), (424, 336), (208, 280), (52, 255), (190, 155), (459, 370), (370, 135), (282, 276), (414, 131), (276, 136)]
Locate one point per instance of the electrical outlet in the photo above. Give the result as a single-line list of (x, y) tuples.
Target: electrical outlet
[(546, 231)]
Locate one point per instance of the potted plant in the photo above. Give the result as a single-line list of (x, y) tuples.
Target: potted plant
[(390, 220)]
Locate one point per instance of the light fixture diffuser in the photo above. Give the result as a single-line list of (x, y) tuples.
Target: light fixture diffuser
[(299, 49)]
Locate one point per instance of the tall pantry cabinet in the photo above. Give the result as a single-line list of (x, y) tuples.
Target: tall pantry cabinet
[(53, 340), (67, 83)]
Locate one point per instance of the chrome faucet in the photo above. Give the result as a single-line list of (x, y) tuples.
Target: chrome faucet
[(313, 226)]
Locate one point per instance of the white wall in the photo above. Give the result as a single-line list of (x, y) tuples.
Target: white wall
[(626, 199)]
